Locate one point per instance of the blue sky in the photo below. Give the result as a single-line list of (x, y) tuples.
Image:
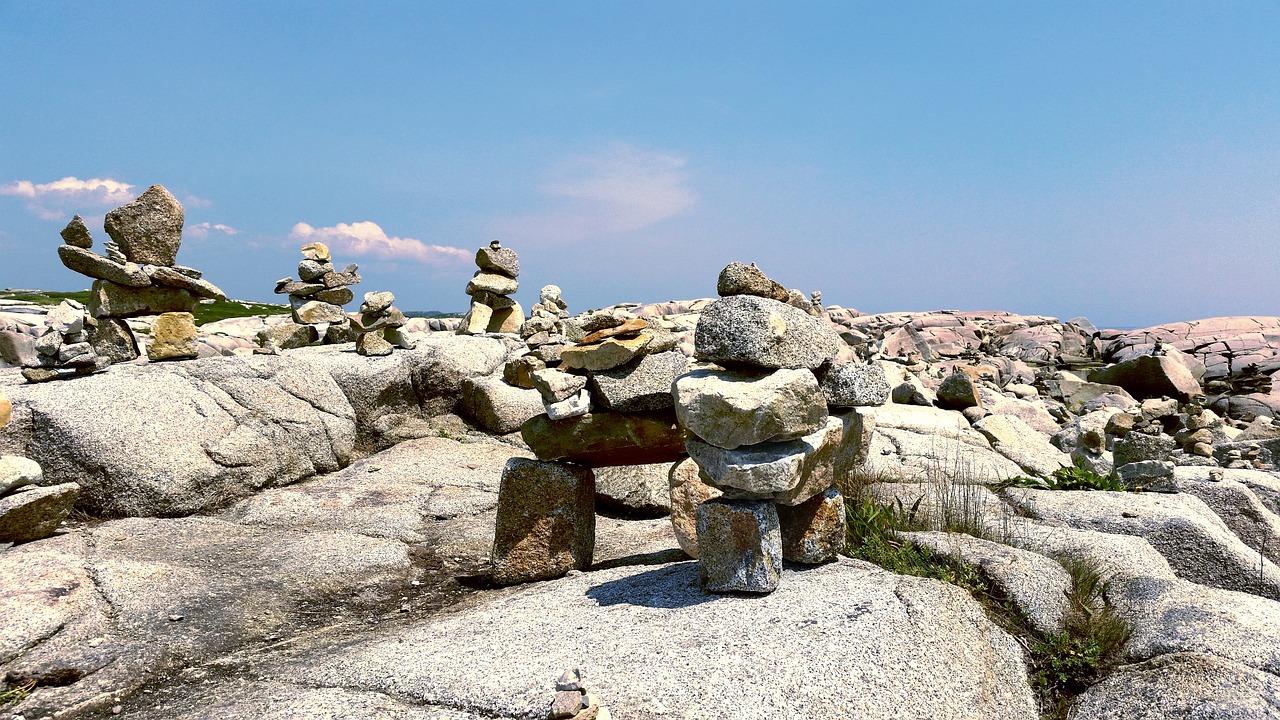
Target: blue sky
[(1115, 160)]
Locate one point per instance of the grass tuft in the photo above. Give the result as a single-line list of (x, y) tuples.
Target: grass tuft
[(1069, 478), (14, 694)]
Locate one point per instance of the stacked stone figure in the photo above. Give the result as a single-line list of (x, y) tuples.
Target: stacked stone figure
[(139, 274), (573, 701), (492, 308), (28, 509), (63, 350), (549, 329), (379, 325), (608, 403), (316, 298), (761, 434)]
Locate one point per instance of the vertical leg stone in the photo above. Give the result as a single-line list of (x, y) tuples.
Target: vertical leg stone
[(739, 546), (111, 338), (813, 531), (546, 521)]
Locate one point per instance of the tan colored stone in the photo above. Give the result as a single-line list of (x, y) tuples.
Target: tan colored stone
[(628, 327), (687, 493), (476, 320), (813, 531), (316, 251), (173, 337), (604, 355), (6, 409)]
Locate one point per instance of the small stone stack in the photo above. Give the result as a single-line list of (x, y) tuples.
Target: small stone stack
[(139, 275), (29, 511), (492, 308), (64, 350), (379, 325), (573, 701), (316, 298), (549, 328), (761, 434)]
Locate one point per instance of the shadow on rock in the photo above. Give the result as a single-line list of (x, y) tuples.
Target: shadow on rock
[(674, 586)]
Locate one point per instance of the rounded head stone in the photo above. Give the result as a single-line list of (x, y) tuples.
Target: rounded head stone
[(375, 302), (316, 251)]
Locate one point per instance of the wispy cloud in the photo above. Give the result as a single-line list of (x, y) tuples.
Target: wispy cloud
[(619, 190), (202, 230), (368, 239), (195, 201), (58, 199)]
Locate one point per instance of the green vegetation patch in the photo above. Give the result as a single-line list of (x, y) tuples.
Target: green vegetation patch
[(1070, 478)]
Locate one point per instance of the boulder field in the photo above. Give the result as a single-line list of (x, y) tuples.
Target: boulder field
[(311, 533)]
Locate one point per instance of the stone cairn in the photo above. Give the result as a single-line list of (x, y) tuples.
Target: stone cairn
[(573, 701), (379, 325), (139, 276), (492, 308), (760, 432), (63, 350), (29, 510), (316, 298), (608, 403), (549, 329)]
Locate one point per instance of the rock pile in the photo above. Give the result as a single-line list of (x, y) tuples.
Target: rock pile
[(316, 297), (64, 350), (139, 275), (492, 308), (29, 511), (379, 325), (549, 328), (573, 701), (760, 432), (607, 402)]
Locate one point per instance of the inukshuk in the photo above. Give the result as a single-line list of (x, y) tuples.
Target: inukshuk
[(316, 298), (379, 325), (138, 276), (760, 433), (492, 308), (549, 329), (63, 350), (608, 403)]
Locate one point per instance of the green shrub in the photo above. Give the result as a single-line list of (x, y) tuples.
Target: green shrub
[(1068, 478)]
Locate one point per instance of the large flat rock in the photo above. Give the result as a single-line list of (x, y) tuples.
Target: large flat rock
[(653, 645)]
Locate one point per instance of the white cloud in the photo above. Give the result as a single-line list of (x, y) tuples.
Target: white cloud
[(202, 230), (58, 199), (193, 201), (368, 239), (617, 191)]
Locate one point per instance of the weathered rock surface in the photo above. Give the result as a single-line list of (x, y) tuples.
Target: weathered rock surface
[(546, 524), (752, 330), (688, 491), (149, 229), (87, 262), (644, 384), (35, 512), (732, 409), (851, 623), (496, 406), (742, 279), (1035, 584), (856, 385), (107, 299), (739, 546), (600, 439), (1195, 542), (1150, 376), (606, 354), (914, 442), (173, 337), (215, 429), (1182, 685), (634, 489), (790, 472), (1018, 441), (813, 531)]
